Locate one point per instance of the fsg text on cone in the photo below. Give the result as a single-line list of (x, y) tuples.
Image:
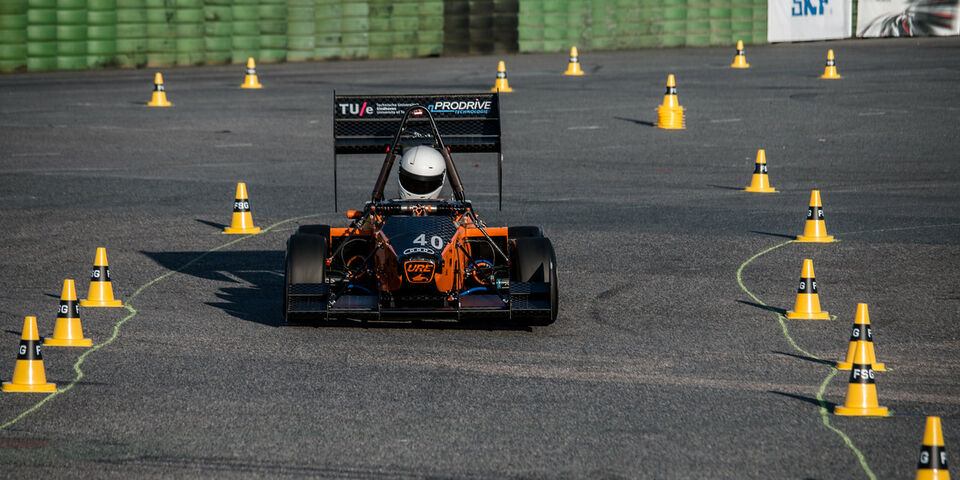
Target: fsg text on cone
[(933, 453), (815, 228), (101, 288), (28, 374), (242, 220), (807, 306), (861, 390), (861, 333), (68, 332)]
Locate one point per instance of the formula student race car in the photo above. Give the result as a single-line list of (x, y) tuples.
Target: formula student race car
[(419, 259)]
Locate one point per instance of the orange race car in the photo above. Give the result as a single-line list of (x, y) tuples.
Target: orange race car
[(419, 257)]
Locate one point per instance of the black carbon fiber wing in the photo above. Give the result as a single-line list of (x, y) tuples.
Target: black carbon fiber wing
[(367, 124)]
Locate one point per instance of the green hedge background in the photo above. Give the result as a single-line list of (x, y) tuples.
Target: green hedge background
[(44, 35)]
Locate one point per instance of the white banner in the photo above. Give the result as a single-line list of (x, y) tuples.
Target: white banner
[(798, 20), (906, 18)]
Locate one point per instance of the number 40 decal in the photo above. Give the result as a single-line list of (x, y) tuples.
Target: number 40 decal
[(435, 241)]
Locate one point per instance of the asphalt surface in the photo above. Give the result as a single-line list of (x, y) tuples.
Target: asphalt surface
[(670, 358)]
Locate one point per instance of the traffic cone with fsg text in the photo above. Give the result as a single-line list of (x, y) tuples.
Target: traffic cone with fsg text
[(815, 229), (933, 453), (573, 67), (740, 61), (861, 390), (760, 183), (28, 374), (808, 299), (101, 288), (830, 71), (670, 113), (242, 221), (68, 332), (501, 84), (251, 80), (862, 333), (159, 98)]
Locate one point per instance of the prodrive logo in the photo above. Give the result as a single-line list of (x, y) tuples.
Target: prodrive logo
[(461, 106)]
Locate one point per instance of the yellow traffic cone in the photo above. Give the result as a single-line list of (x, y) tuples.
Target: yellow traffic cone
[(830, 71), (501, 85), (862, 333), (242, 221), (101, 288), (28, 374), (670, 113), (573, 68), (760, 183), (933, 453), (808, 300), (740, 61), (861, 390), (815, 230), (251, 80), (68, 332), (159, 98)]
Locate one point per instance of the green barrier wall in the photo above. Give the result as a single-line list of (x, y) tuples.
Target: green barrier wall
[(555, 25), (41, 35)]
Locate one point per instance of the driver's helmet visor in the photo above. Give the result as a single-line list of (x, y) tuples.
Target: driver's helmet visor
[(419, 184)]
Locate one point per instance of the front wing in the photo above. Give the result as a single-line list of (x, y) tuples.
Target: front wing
[(525, 302)]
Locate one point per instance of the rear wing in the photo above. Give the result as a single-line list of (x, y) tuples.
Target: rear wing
[(467, 122)]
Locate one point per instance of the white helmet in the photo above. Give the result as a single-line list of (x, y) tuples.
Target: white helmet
[(422, 169)]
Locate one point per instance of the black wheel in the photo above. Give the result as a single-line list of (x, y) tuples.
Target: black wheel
[(315, 230), (306, 262), (524, 231), (534, 260)]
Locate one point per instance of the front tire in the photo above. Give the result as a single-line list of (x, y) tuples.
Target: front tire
[(534, 260), (305, 262)]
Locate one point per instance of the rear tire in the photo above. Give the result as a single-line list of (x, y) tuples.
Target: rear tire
[(534, 260), (305, 262)]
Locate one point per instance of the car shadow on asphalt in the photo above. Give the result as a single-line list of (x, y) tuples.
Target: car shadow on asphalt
[(255, 290), (255, 280)]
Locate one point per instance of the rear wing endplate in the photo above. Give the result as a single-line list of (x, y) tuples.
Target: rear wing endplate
[(467, 122)]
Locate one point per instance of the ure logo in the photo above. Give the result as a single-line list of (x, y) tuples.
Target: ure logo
[(418, 271), (803, 8)]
